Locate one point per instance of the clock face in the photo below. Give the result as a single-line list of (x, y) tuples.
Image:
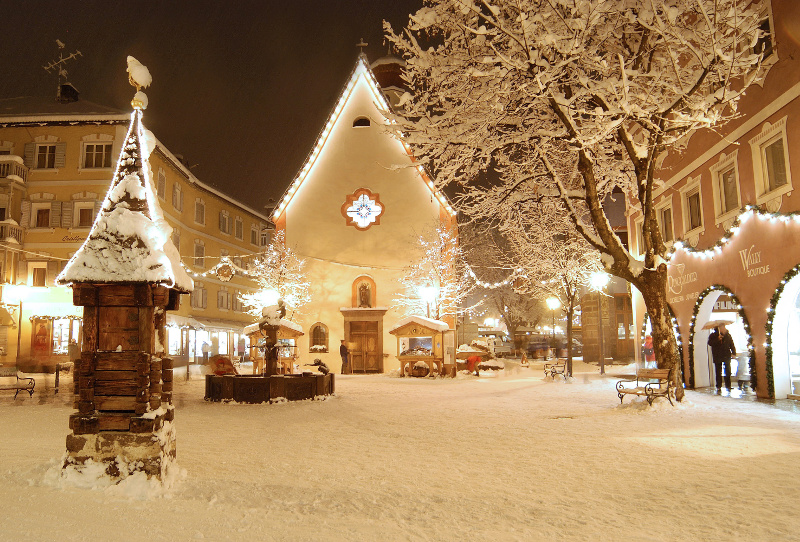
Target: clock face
[(362, 209)]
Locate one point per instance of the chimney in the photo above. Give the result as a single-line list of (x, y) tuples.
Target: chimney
[(67, 94)]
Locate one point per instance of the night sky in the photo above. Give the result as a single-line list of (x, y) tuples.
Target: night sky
[(240, 88)]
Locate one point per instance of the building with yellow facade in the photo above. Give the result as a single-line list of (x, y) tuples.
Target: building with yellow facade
[(57, 159)]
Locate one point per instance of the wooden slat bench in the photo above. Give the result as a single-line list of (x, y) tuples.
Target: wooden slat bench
[(650, 383), (556, 367), (12, 379)]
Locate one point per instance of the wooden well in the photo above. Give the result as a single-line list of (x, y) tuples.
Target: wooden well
[(123, 389)]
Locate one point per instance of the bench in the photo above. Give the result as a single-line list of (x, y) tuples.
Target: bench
[(554, 368), (12, 379), (650, 383)]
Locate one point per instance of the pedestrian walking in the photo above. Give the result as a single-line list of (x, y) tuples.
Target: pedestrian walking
[(345, 353), (722, 350)]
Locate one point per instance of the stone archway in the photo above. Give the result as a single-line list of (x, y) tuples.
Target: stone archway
[(706, 309)]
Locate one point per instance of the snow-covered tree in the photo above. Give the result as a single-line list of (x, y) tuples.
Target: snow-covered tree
[(280, 275), (569, 99), (437, 284), (491, 259), (555, 261)]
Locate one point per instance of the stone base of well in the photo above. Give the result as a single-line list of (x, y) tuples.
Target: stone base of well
[(123, 453)]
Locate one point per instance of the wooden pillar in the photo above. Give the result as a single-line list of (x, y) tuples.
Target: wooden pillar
[(123, 382)]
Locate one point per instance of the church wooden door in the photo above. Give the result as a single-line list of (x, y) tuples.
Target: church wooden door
[(365, 352)]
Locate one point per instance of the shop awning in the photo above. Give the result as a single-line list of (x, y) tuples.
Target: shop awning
[(219, 324), (176, 320)]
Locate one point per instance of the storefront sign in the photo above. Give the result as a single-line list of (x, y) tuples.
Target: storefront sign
[(676, 284), (751, 261), (725, 304), (73, 238)]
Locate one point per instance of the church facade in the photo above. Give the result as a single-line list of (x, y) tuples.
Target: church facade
[(354, 213)]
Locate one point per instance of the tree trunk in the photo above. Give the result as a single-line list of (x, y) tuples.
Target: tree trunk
[(570, 313), (654, 291)]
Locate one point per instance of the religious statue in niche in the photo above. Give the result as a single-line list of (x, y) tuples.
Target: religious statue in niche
[(364, 296)]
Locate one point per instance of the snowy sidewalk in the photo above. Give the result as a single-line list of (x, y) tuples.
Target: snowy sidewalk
[(507, 456)]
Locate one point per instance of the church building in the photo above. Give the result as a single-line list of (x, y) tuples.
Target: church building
[(354, 213)]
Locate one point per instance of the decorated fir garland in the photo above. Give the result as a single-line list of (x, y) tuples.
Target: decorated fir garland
[(747, 212), (746, 323), (773, 303)]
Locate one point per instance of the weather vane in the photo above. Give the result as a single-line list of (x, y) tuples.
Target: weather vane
[(58, 65)]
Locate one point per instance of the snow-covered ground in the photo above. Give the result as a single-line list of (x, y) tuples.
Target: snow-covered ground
[(507, 456)]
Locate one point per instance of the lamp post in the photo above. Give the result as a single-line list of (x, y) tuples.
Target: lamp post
[(599, 281), (553, 303)]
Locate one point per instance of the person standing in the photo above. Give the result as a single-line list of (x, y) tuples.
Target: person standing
[(722, 350), (206, 349), (649, 353), (345, 353)]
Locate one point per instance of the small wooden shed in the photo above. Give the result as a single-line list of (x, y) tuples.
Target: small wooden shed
[(424, 346)]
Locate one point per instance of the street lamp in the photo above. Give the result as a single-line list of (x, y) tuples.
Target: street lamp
[(553, 303), (599, 281)]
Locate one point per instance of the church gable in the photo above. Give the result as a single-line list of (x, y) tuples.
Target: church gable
[(356, 160)]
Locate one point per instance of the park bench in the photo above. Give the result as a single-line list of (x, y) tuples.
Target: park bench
[(650, 383), (12, 379), (556, 367)]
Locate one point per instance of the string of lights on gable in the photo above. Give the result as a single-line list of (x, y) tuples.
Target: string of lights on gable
[(748, 212), (361, 70)]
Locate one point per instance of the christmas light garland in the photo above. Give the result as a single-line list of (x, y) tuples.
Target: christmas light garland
[(748, 211), (773, 303), (746, 324)]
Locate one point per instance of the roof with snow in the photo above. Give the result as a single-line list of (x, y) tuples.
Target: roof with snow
[(130, 241), (430, 323), (361, 72), (32, 109), (284, 323)]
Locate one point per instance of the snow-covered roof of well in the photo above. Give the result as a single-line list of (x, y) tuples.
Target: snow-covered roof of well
[(436, 325), (282, 322), (130, 241)]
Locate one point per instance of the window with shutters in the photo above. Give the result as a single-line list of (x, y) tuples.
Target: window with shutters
[(83, 214), (239, 228), (45, 156), (177, 197), (224, 299), (665, 223), (225, 222), (725, 187), (264, 237), (96, 155), (161, 186), (40, 215), (254, 235), (199, 253), (200, 211), (236, 303), (37, 273), (771, 167), (176, 239), (199, 296)]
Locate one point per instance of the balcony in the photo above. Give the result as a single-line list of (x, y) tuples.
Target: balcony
[(10, 228), (13, 168)]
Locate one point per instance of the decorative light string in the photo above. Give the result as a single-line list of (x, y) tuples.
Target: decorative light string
[(748, 211), (773, 303)]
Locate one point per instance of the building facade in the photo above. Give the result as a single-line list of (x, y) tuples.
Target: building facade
[(354, 214), (729, 209), (56, 164)]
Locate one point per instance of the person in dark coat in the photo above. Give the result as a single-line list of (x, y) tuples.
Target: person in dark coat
[(722, 350), (345, 355)]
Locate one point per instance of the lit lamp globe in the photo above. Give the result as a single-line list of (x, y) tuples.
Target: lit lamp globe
[(553, 303), (599, 280)]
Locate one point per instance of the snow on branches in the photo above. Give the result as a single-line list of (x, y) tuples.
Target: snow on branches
[(280, 275), (437, 284)]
